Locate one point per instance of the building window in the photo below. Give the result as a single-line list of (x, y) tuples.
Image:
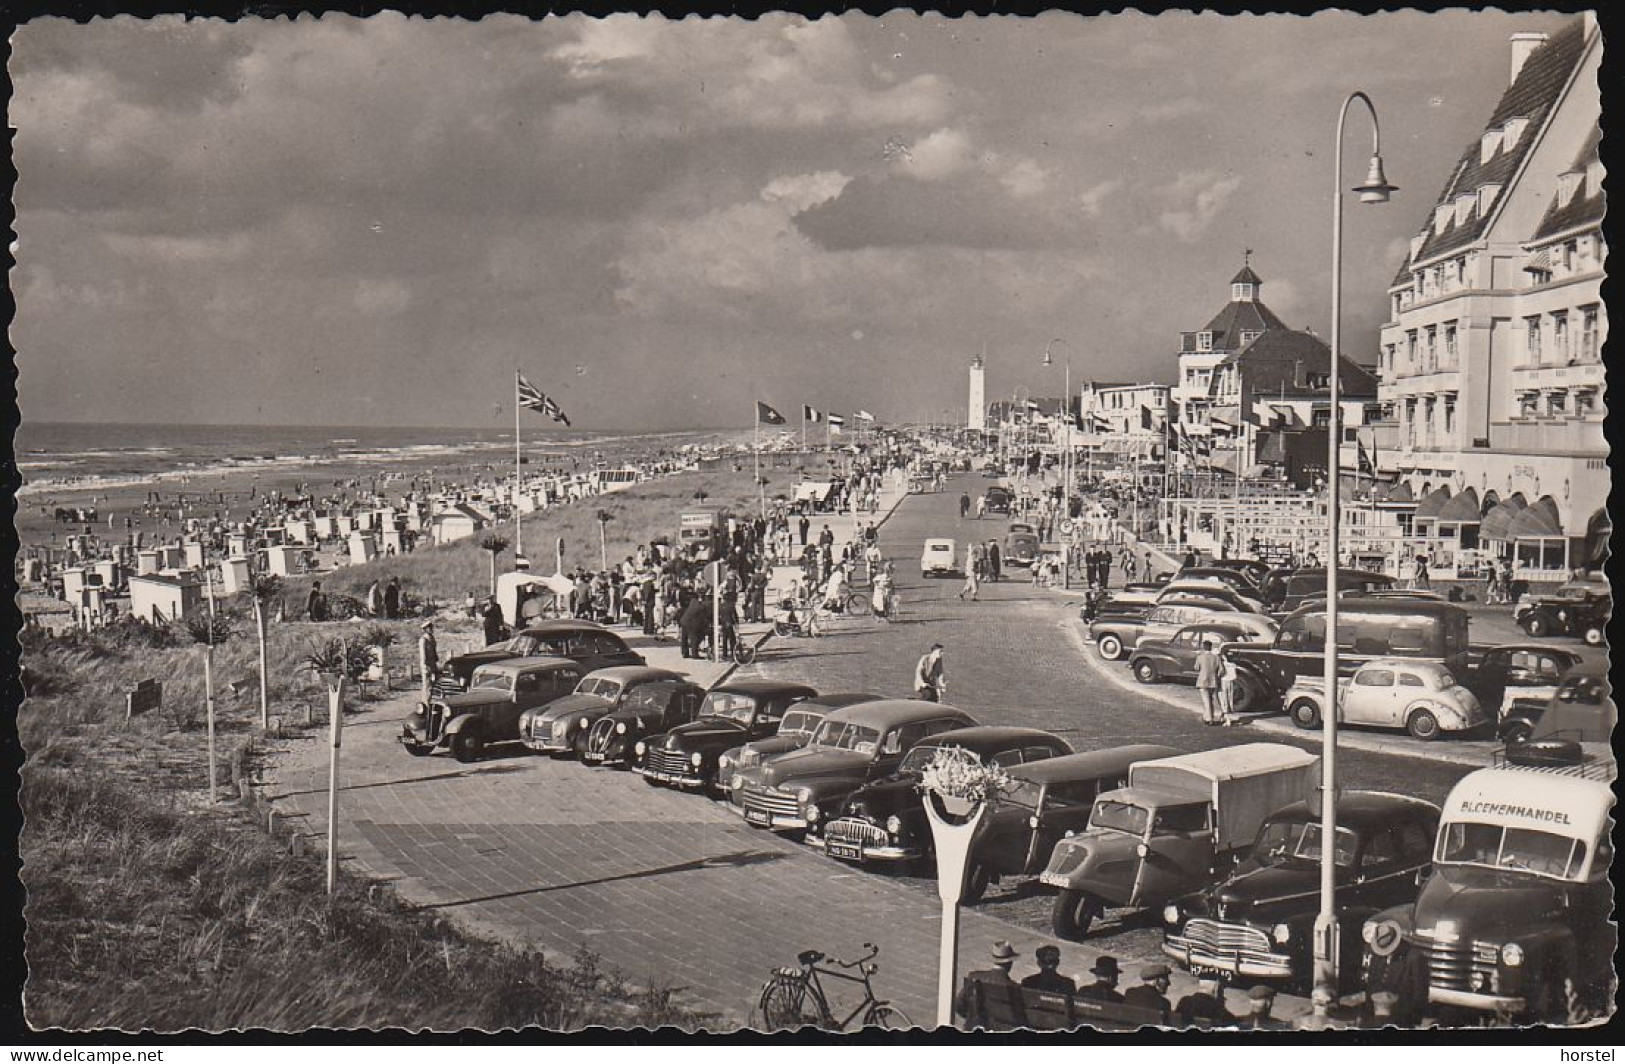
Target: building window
[(1410, 350), (1204, 341), (1388, 358), (1560, 338), (1241, 291), (1430, 350), (1585, 402), (1450, 417), (1588, 334), (1248, 336), (1557, 403), (1450, 345), (1528, 403), (1531, 343)]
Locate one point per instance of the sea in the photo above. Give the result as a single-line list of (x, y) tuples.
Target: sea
[(64, 456)]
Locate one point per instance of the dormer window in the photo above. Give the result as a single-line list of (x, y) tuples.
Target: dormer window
[(1464, 206), (1241, 293), (1567, 184), (1488, 144), (1204, 341), (1248, 336), (1486, 197), (1512, 131)]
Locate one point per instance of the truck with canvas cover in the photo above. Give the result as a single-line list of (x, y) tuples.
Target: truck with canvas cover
[(1177, 827)]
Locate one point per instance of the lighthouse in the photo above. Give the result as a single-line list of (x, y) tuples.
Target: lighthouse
[(978, 394)]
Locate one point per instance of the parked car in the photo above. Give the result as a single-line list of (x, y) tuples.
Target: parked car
[(734, 713), (852, 746), (561, 727), (939, 557), (1251, 568), (1422, 697), (1286, 589), (1579, 608), (1021, 545), (1258, 923), (1517, 909), (1114, 638), (499, 694), (1174, 658), (1368, 628), (1234, 579), (648, 709), (1502, 675), (800, 722), (884, 821), (1178, 824), (1210, 593), (1581, 713), (999, 499), (587, 643), (1050, 800)]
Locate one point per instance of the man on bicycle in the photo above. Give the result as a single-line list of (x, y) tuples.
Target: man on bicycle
[(930, 676)]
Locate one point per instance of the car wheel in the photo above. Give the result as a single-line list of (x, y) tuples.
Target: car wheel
[(419, 749), (1423, 725), (1305, 713), (1593, 636), (1111, 647), (1245, 696), (467, 746), (1537, 626), (976, 883), (1146, 671), (1074, 912)]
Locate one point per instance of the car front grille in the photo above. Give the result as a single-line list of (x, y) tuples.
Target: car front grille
[(1452, 965), (446, 685), (1222, 938), (668, 762), (854, 832), (769, 800)]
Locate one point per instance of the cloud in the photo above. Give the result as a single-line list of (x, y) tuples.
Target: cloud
[(973, 209), (1093, 199), (1201, 197), (1024, 178), (942, 154)]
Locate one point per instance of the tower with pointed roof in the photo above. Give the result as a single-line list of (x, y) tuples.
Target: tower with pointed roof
[(1490, 363), (1237, 324)]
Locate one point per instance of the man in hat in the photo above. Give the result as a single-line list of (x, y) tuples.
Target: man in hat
[(491, 620), (1104, 988), (1260, 1000), (970, 1001), (429, 653), (1206, 1004), (1152, 993), (1048, 977)]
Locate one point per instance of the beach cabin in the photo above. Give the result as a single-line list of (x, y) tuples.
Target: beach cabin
[(414, 519), (193, 552), (73, 584), (42, 611), (363, 548), (234, 575), (33, 570), (343, 525), (300, 532), (461, 521), (237, 544), (282, 560), (171, 556), (324, 526), (391, 542), (108, 570), (160, 597)]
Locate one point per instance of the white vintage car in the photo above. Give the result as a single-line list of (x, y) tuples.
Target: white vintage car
[(1421, 697), (939, 558)]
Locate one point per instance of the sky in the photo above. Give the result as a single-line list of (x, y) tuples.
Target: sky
[(375, 221)]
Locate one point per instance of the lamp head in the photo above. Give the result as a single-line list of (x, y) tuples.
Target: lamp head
[(1375, 188)]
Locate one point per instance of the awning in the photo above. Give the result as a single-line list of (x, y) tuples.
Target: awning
[(1539, 521), (1463, 509), (1540, 262), (1499, 520), (1288, 415), (1433, 502), (1599, 531)]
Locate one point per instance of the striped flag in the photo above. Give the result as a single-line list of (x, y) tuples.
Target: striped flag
[(531, 398), (766, 415), (837, 422), (809, 414)]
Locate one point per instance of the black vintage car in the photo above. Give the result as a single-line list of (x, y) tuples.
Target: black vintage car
[(561, 728), (1174, 658), (1580, 608), (999, 499), (733, 714), (883, 821), (794, 731), (647, 710), (1257, 925), (1502, 676), (587, 643), (1285, 590), (490, 710)]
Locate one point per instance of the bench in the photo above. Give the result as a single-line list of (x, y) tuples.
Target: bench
[(1009, 1007)]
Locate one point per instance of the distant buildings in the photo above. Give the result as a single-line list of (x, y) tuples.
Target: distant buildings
[(1491, 370), (1125, 413)]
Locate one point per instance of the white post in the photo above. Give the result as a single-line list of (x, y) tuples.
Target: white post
[(953, 843), (208, 682), (335, 713), (716, 610), (518, 481)]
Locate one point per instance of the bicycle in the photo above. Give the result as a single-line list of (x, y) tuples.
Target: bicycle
[(794, 997)]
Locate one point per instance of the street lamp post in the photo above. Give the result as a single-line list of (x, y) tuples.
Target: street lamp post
[(1375, 189), (1066, 464)]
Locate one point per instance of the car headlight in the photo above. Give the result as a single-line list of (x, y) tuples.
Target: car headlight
[(724, 763), (1170, 914), (1381, 936), (695, 758), (812, 813), (739, 783), (421, 710), (894, 825), (620, 727), (641, 748), (1512, 954), (1282, 934), (585, 723), (561, 728)]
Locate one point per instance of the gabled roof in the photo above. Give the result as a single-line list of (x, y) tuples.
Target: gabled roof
[(1539, 84), (1239, 316), (1278, 359)]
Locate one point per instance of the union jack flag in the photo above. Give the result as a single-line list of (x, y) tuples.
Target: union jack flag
[(531, 398)]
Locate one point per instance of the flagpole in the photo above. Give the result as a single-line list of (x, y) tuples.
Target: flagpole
[(756, 453), (518, 479)]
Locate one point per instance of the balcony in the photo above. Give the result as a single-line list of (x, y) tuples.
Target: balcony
[(1578, 374)]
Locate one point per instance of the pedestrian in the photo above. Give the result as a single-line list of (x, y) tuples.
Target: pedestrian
[(375, 599), (429, 653), (826, 539), (491, 618), (970, 1002), (1152, 993), (1226, 693), (882, 591), (648, 594), (971, 584), (981, 507), (1048, 978), (1207, 681), (931, 676), (316, 602), (695, 622), (1420, 578), (1106, 974), (803, 525), (1207, 1003), (995, 561)]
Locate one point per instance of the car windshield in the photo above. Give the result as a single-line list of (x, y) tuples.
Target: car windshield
[(799, 722), (1119, 816), (1285, 841), (1024, 793), (522, 645), (921, 756), (600, 686), (491, 681), (726, 704), (1541, 853), (842, 735)]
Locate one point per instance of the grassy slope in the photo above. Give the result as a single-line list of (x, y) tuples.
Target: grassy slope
[(146, 911)]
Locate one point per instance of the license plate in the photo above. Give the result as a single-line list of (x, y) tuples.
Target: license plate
[(589, 756), (1050, 880), (1201, 970), (758, 816), (845, 851)]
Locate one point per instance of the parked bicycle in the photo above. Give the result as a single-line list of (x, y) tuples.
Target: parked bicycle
[(795, 997)]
